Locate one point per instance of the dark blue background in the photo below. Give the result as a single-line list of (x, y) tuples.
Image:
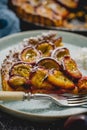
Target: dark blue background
[(9, 23)]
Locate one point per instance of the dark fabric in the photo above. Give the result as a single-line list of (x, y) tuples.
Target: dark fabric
[(9, 23)]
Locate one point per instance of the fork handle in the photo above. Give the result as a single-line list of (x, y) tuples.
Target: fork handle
[(12, 96), (18, 96)]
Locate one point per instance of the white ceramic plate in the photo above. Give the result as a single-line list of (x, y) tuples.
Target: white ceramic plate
[(41, 110)]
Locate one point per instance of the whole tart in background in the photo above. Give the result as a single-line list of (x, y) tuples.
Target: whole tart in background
[(53, 13)]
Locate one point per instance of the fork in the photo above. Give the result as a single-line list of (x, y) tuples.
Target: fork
[(69, 100)]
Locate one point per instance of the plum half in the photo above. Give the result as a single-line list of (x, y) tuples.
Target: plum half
[(21, 69), (29, 54), (59, 53), (39, 79), (82, 84), (48, 63), (45, 48), (18, 83), (58, 79), (70, 68)]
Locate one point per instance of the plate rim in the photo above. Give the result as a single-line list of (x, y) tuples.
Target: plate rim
[(37, 30)]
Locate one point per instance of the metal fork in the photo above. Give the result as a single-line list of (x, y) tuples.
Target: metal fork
[(69, 100)]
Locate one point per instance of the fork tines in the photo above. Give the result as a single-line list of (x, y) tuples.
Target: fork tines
[(78, 99)]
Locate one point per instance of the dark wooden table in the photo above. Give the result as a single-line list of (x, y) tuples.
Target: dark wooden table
[(9, 122)]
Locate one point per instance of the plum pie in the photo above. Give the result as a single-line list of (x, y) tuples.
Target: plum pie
[(42, 64)]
